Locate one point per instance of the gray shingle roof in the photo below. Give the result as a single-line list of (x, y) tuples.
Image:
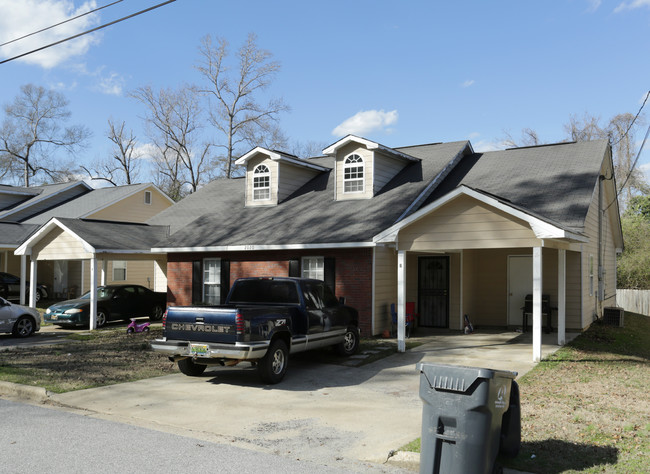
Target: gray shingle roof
[(116, 236), (555, 182), (12, 234), (216, 215)]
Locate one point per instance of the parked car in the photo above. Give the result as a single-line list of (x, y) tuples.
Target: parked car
[(19, 320), (10, 288), (114, 302)]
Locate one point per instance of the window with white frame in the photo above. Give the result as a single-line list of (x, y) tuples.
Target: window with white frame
[(261, 183), (119, 270), (313, 267), (353, 174), (212, 280)]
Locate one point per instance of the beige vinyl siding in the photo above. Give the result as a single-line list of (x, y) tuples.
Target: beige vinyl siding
[(591, 306), (465, 223), (133, 208), (273, 168), (385, 168), (385, 287), (57, 245), (290, 178), (138, 272), (341, 155)]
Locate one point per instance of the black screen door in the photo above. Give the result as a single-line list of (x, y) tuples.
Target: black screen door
[(433, 291)]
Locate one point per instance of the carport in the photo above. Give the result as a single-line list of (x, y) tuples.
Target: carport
[(475, 237), (95, 241)]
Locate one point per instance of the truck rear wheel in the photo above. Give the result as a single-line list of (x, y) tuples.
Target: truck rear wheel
[(273, 365), (188, 367)]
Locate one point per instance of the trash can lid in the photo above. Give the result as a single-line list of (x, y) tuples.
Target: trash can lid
[(458, 378)]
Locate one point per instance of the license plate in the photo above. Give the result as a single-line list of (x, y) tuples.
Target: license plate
[(198, 349)]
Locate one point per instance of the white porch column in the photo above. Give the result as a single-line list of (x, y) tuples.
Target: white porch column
[(102, 279), (537, 304), (561, 297), (33, 274), (401, 301), (23, 277), (93, 292)]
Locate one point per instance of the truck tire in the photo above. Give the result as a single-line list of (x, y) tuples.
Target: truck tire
[(188, 367), (350, 343), (273, 365)]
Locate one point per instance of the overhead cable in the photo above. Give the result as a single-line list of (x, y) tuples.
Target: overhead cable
[(61, 23), (88, 31)]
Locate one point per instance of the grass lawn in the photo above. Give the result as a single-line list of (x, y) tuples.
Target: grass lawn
[(587, 408)]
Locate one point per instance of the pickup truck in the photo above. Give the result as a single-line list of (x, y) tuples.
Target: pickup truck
[(262, 321)]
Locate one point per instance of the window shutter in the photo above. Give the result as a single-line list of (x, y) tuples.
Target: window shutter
[(330, 273), (225, 279), (294, 268), (197, 282)]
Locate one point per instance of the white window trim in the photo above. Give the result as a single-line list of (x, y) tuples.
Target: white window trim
[(203, 280), (306, 270), (262, 174), (119, 267), (356, 164)]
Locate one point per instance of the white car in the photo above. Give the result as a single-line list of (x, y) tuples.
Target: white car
[(21, 321)]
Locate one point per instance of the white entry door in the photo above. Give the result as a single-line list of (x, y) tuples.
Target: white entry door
[(520, 284), (60, 276)]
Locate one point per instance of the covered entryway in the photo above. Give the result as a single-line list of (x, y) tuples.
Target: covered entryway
[(478, 256)]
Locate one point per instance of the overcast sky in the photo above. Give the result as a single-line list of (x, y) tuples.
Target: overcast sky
[(399, 73)]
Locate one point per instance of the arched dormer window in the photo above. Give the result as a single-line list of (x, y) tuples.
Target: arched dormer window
[(261, 183), (353, 174)]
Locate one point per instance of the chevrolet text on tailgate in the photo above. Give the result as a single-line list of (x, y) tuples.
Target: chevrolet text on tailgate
[(262, 322)]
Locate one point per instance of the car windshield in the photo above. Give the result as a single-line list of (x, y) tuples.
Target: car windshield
[(102, 292)]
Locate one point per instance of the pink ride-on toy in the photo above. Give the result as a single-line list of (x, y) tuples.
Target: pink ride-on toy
[(135, 327)]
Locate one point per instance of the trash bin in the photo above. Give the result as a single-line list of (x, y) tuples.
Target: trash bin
[(462, 417)]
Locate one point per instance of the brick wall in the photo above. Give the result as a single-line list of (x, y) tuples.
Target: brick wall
[(353, 274)]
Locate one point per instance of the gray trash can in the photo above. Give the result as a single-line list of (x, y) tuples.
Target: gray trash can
[(462, 418)]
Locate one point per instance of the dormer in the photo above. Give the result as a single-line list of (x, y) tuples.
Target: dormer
[(363, 167), (272, 176)]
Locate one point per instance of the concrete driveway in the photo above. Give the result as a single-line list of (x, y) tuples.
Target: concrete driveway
[(326, 413)]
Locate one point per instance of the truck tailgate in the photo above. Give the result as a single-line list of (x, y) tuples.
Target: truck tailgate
[(205, 323)]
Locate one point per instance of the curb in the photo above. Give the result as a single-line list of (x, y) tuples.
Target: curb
[(405, 460), (24, 392)]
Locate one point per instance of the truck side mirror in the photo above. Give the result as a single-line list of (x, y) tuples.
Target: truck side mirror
[(341, 299)]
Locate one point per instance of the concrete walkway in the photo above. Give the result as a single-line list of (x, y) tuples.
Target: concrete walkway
[(325, 413)]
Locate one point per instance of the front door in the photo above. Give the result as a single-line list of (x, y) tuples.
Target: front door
[(433, 291)]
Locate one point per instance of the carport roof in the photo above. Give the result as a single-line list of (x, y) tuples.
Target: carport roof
[(103, 236)]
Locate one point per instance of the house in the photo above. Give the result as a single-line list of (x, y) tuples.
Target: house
[(24, 210), (455, 231), (452, 230)]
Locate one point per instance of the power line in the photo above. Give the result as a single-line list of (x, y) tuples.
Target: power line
[(61, 23), (88, 31), (633, 120)]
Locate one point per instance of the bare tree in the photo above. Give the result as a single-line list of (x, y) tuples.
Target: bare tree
[(234, 108), (173, 124), (32, 133), (529, 137), (124, 163)]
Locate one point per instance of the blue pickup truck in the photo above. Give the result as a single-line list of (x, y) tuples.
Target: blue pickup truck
[(262, 322)]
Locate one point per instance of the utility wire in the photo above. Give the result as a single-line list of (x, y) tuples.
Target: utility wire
[(61, 23), (633, 120), (88, 31)]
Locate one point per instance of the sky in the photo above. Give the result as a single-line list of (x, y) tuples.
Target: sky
[(398, 73)]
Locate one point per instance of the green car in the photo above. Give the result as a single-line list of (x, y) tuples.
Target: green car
[(114, 302)]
